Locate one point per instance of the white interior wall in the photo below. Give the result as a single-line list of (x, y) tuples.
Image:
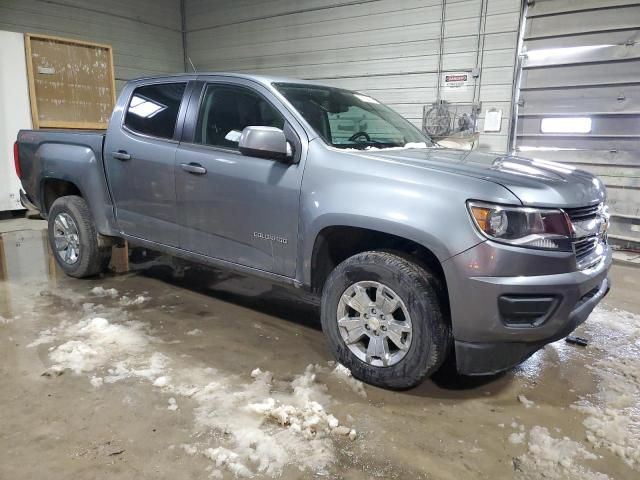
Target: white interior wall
[(15, 113)]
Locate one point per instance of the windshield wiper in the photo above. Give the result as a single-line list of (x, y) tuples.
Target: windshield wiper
[(365, 145)]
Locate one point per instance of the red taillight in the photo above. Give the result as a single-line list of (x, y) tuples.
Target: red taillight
[(16, 159)]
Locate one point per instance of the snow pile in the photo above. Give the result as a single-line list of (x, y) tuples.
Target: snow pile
[(73, 297), (255, 427), (100, 291), (556, 458), (162, 381), (88, 307), (194, 332), (344, 374), (150, 368), (613, 414), (95, 342), (120, 350), (125, 301), (189, 449), (228, 459), (267, 424), (5, 321), (45, 337), (96, 381), (341, 373), (303, 415), (525, 401)]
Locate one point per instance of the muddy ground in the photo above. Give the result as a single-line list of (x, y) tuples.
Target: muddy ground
[(211, 375)]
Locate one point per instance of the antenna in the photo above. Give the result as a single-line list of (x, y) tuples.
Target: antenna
[(192, 65)]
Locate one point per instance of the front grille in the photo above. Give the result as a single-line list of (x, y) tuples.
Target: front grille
[(583, 213), (588, 238), (585, 247)]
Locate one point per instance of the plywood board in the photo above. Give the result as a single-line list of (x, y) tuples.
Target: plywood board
[(71, 82)]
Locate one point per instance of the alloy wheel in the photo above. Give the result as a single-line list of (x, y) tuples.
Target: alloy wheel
[(67, 239), (374, 323)]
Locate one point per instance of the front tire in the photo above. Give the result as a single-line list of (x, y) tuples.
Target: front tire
[(74, 239), (384, 321)]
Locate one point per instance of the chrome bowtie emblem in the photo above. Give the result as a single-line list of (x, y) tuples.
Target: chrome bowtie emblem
[(587, 228)]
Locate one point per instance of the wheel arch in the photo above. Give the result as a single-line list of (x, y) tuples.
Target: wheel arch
[(350, 331), (335, 243), (52, 188), (73, 165)]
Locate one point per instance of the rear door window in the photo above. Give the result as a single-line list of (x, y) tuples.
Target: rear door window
[(153, 109)]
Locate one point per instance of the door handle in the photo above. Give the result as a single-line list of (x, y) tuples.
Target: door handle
[(194, 168), (121, 155)]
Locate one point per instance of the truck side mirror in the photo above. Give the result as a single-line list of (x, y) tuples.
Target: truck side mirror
[(265, 142)]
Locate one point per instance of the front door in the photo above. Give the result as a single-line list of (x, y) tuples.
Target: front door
[(233, 207), (139, 160)]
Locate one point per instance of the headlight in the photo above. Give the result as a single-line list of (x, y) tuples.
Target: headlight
[(521, 226)]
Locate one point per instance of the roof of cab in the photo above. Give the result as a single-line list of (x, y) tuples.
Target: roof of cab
[(266, 80)]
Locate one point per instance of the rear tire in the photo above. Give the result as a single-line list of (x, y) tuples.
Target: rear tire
[(412, 308), (71, 225)]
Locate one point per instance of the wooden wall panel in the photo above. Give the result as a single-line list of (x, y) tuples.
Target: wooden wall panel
[(71, 83)]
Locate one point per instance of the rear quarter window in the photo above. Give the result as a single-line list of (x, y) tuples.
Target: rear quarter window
[(153, 109)]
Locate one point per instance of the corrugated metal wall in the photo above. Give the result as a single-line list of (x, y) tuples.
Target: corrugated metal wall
[(582, 59), (387, 48), (145, 34)]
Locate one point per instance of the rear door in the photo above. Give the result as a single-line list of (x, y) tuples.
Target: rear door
[(139, 158), (233, 207)]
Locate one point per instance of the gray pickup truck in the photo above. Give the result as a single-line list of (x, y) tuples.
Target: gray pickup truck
[(419, 252)]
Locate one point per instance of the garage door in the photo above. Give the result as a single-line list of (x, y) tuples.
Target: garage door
[(579, 96)]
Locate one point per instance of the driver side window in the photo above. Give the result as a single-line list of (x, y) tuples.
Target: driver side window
[(227, 109)]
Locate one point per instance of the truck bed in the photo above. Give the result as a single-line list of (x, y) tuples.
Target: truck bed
[(51, 160), (45, 153)]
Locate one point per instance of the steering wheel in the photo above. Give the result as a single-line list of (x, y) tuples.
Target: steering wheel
[(366, 136)]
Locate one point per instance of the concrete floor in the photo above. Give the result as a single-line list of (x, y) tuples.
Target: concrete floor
[(154, 380)]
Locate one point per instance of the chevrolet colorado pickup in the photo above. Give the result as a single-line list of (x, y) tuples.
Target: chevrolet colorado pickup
[(419, 253)]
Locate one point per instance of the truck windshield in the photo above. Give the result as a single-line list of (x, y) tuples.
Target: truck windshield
[(348, 119)]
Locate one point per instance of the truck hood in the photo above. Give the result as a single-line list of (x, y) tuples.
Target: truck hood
[(535, 182)]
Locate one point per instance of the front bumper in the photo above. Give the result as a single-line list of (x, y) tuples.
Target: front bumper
[(485, 341), (488, 358)]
